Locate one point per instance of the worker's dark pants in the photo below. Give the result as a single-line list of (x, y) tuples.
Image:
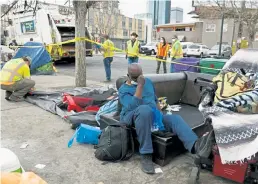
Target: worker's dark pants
[(107, 64), (159, 63), (142, 118), (18, 89)]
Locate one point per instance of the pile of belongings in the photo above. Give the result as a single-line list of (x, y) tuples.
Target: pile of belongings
[(41, 61), (233, 108), (6, 54), (77, 105)]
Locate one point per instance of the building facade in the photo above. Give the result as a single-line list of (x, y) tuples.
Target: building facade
[(176, 15), (160, 10)]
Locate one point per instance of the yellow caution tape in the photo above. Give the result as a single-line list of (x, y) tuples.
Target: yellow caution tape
[(77, 39)]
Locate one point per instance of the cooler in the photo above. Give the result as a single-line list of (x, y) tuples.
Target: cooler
[(212, 63), (235, 172), (189, 61)]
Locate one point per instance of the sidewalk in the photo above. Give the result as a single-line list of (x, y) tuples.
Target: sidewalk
[(47, 136)]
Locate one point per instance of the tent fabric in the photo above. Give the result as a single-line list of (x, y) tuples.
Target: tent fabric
[(38, 54)]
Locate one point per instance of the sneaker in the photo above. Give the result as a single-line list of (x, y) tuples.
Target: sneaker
[(203, 146), (147, 164), (7, 95), (16, 99), (108, 80)]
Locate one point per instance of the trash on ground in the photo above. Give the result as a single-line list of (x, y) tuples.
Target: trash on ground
[(158, 170), (40, 166), (24, 145)]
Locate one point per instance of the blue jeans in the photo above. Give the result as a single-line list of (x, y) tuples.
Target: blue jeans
[(142, 118), (132, 60), (107, 64)]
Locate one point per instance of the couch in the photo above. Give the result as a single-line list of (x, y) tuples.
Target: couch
[(179, 88)]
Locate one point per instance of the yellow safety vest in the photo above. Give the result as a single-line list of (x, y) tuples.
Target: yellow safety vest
[(13, 71), (133, 51), (108, 48), (177, 53)]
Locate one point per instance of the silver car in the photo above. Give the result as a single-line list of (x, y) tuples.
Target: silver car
[(226, 51)]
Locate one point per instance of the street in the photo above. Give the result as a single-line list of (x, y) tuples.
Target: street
[(96, 72)]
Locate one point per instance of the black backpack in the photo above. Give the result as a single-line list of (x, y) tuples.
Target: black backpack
[(115, 144)]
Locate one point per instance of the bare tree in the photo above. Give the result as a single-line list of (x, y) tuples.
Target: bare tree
[(244, 12), (106, 19), (81, 8)]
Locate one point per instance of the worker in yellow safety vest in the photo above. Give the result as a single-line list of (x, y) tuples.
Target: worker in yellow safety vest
[(108, 53), (176, 51), (15, 79), (133, 49)]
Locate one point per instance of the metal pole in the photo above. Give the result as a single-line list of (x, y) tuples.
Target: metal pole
[(221, 34)]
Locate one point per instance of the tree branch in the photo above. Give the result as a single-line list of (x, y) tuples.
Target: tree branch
[(9, 9)]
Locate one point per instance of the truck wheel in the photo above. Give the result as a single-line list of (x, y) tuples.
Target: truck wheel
[(153, 52)]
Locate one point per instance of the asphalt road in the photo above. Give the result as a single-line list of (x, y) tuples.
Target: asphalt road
[(95, 68)]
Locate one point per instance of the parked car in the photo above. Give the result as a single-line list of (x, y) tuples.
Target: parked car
[(185, 46), (149, 48), (197, 50), (226, 51)]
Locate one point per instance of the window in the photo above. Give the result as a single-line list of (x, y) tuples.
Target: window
[(130, 23), (139, 24), (210, 28), (123, 22), (180, 29), (194, 46), (184, 47), (125, 32)]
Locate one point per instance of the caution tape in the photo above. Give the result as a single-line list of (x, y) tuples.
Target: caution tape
[(77, 39)]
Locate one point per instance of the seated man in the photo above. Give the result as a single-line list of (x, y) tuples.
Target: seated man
[(15, 79), (137, 96)]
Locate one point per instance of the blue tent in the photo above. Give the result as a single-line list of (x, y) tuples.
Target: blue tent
[(38, 54)]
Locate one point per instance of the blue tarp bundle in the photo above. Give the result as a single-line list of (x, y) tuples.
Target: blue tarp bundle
[(39, 54)]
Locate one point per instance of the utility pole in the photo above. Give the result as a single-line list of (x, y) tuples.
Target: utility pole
[(221, 28), (80, 8)]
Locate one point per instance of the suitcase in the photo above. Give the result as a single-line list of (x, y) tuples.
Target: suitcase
[(188, 61), (212, 63)]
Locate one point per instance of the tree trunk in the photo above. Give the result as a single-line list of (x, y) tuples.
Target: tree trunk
[(80, 50)]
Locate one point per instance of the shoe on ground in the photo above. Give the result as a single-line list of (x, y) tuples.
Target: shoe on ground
[(108, 80), (147, 164), (7, 95), (16, 99)]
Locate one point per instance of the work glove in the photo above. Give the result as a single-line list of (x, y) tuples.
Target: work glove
[(141, 80)]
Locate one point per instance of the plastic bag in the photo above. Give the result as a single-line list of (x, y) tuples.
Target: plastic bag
[(85, 134), (157, 120)]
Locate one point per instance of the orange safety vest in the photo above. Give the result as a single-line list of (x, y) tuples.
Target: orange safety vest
[(163, 50)]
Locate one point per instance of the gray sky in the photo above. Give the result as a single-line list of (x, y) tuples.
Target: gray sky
[(131, 7)]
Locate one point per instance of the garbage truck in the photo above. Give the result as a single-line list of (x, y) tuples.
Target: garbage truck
[(50, 29)]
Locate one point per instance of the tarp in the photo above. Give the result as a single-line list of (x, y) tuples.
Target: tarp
[(39, 55), (53, 102)]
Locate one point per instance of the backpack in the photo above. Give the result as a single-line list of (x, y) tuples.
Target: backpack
[(115, 144), (230, 84)]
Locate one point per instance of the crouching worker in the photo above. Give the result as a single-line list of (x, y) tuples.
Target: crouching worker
[(137, 96), (15, 79)]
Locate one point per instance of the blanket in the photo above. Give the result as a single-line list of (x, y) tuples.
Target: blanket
[(236, 133)]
